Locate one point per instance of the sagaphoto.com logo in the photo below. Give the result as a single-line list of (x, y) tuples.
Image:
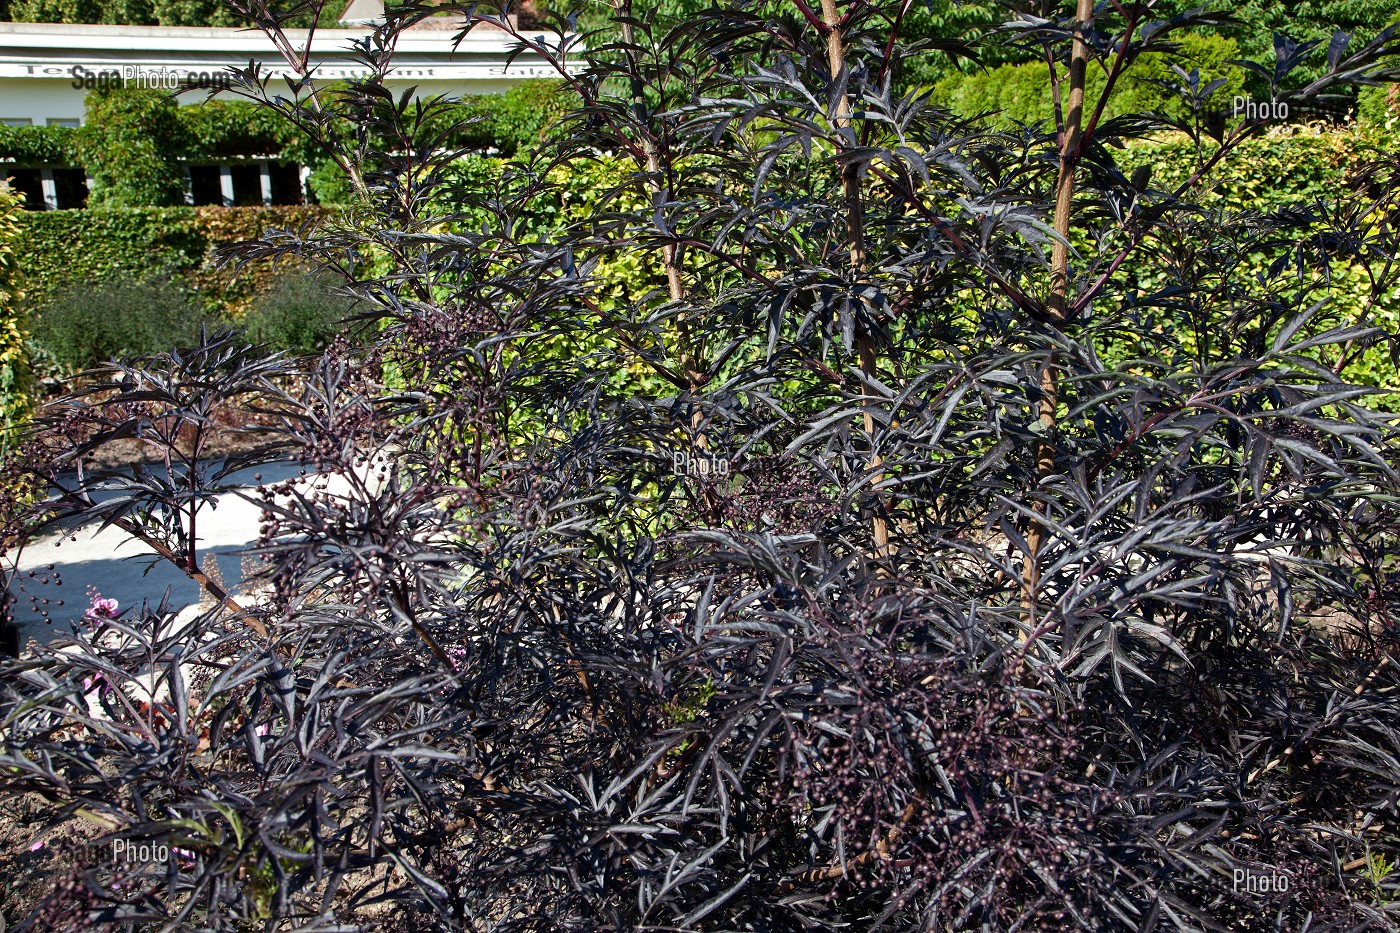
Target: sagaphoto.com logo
[(162, 79)]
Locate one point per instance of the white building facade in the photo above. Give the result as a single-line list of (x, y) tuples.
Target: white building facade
[(47, 70)]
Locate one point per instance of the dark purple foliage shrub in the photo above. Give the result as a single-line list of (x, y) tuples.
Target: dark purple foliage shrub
[(898, 555)]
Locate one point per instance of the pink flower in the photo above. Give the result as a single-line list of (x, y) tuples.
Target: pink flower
[(37, 846), (96, 680), (102, 608)]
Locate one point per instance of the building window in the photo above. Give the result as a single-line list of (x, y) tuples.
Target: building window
[(286, 182), (70, 188), (247, 185), (205, 187), (30, 183), (16, 121), (70, 123)]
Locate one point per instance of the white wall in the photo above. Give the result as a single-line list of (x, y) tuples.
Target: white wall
[(42, 99)]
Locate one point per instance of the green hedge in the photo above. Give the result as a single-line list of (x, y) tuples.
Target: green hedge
[(39, 145), (1279, 169), (14, 363), (221, 129), (1274, 169), (95, 245), (1022, 94)]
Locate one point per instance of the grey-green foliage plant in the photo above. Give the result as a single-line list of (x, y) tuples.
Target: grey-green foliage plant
[(299, 311), (1047, 582), (82, 326)]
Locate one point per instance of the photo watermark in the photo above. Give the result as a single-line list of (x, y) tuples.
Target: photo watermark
[(126, 852), (1258, 109), (684, 463), (129, 853), (1259, 882), (160, 79)]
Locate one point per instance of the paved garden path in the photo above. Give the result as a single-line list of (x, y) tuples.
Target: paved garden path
[(126, 570)]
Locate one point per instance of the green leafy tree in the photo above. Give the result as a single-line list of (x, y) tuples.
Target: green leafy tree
[(194, 13), (948, 18), (135, 12), (55, 11), (1305, 21)]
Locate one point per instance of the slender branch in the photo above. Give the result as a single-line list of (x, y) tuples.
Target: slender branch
[(1087, 295), (656, 160), (1023, 301), (1115, 71), (854, 202), (1048, 405)]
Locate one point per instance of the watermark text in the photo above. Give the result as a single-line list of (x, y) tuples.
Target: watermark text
[(684, 463), (1258, 109), (126, 852), (1259, 882), (160, 79)]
